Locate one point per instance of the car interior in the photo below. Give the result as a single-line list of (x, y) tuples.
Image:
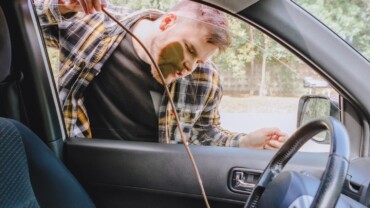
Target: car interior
[(32, 175), (41, 167)]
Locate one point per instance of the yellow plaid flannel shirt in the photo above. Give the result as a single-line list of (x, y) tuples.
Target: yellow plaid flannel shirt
[(86, 41)]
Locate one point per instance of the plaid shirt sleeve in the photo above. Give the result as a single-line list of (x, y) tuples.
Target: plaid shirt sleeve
[(80, 51), (49, 17), (207, 130), (85, 42)]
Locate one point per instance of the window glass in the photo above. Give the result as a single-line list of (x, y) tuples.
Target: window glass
[(349, 19), (262, 81)]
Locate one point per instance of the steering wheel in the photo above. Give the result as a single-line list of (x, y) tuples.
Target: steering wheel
[(293, 189)]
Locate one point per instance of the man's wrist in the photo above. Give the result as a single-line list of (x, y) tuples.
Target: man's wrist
[(243, 140)]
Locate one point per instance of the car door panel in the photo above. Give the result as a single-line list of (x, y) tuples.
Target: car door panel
[(112, 171)]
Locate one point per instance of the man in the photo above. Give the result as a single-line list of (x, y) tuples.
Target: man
[(109, 88)]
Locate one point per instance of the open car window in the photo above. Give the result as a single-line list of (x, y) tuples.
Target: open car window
[(262, 82)]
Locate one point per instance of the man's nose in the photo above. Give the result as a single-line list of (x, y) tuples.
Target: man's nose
[(187, 66), (190, 65)]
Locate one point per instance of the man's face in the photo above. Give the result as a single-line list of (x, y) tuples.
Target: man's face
[(179, 48)]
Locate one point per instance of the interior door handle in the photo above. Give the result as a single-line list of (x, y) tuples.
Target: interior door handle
[(243, 180)]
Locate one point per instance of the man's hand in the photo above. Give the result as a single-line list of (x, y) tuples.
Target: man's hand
[(266, 138), (87, 6)]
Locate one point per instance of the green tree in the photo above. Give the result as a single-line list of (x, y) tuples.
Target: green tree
[(349, 19), (163, 5)]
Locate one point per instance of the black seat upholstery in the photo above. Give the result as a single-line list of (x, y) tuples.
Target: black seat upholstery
[(53, 185), (15, 185), (30, 173)]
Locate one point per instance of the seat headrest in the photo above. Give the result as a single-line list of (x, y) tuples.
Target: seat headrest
[(5, 48)]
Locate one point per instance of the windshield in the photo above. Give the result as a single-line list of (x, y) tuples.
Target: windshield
[(349, 19)]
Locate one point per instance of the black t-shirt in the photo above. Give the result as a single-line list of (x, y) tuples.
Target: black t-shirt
[(120, 100)]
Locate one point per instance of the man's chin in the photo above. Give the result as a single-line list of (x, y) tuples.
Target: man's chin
[(159, 80), (168, 79)]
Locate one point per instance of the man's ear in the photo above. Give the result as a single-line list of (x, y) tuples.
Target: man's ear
[(168, 21)]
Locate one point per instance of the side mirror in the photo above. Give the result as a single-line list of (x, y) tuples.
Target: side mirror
[(311, 107)]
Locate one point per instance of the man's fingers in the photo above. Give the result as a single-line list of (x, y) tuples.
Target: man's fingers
[(283, 138), (269, 147), (104, 4), (273, 144), (89, 6), (274, 131), (97, 5), (275, 137), (84, 6)]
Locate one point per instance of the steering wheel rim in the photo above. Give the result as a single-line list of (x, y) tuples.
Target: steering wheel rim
[(336, 169)]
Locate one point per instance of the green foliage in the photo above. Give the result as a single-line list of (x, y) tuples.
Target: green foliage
[(163, 5), (248, 50), (349, 19), (284, 81)]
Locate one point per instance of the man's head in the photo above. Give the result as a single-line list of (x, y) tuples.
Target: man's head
[(189, 34)]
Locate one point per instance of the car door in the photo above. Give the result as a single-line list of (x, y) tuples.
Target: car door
[(140, 174)]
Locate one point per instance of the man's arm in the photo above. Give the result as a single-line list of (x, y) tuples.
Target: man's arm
[(56, 14), (49, 17), (208, 131), (52, 14)]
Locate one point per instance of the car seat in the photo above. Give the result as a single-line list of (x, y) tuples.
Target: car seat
[(30, 173)]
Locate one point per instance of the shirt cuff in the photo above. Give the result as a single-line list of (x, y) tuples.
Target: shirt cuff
[(235, 140)]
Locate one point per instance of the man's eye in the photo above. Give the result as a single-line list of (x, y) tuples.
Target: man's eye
[(189, 49)]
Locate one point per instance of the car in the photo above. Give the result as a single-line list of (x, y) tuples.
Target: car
[(331, 170), (312, 83)]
